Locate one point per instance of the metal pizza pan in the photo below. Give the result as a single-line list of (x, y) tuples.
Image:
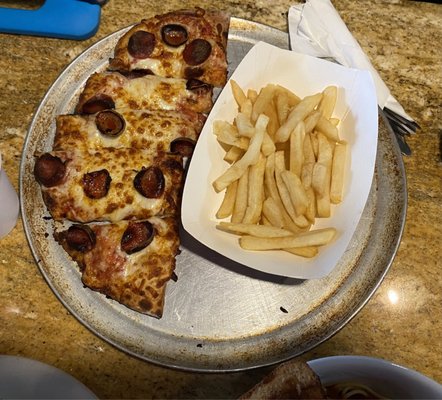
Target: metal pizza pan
[(219, 315)]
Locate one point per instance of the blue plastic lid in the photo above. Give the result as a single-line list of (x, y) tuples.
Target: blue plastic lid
[(67, 19)]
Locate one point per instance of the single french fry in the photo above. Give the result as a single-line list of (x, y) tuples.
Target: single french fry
[(219, 127), (226, 207), (296, 156), (252, 94), (296, 191), (250, 157), (310, 213), (309, 154), (314, 142), (311, 121), (309, 162), (317, 237), (238, 93), (307, 174), (247, 108), (233, 154), (228, 137), (328, 101), (269, 177), (319, 178), (300, 224), (299, 112), (253, 230), (282, 188), (255, 192), (282, 107), (268, 146), (323, 206), (272, 213), (244, 126), (293, 99), (337, 173), (240, 205), (273, 125), (265, 96), (325, 157), (307, 252), (325, 150), (328, 129)]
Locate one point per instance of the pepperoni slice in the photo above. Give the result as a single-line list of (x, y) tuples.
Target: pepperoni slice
[(96, 184), (197, 51), (141, 44), (98, 103), (174, 35), (80, 238), (150, 182), (49, 170), (137, 236), (183, 146), (110, 123)]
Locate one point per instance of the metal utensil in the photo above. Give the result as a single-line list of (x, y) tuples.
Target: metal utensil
[(401, 127)]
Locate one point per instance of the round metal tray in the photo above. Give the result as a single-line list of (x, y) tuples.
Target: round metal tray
[(219, 316)]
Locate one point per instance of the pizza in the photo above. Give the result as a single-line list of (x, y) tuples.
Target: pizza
[(129, 261), (186, 44), (112, 90), (112, 181), (293, 379), (152, 130), (109, 184)]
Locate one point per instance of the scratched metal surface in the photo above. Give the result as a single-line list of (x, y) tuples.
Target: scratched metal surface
[(219, 316)]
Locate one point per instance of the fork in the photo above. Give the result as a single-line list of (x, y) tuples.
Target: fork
[(401, 127)]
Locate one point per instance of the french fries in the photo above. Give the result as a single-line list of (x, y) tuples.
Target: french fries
[(226, 208), (337, 176), (287, 166), (255, 194), (299, 112), (317, 237), (250, 157)]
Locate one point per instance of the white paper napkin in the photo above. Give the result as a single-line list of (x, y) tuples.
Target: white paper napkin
[(316, 29), (9, 203)]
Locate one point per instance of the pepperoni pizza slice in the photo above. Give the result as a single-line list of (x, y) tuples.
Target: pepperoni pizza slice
[(153, 131), (130, 261), (112, 90), (109, 184), (182, 44)]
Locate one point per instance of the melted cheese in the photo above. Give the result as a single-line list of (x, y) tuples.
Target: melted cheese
[(152, 130), (122, 201), (146, 92)]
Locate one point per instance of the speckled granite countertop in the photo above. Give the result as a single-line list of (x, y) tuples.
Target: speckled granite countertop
[(403, 40)]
